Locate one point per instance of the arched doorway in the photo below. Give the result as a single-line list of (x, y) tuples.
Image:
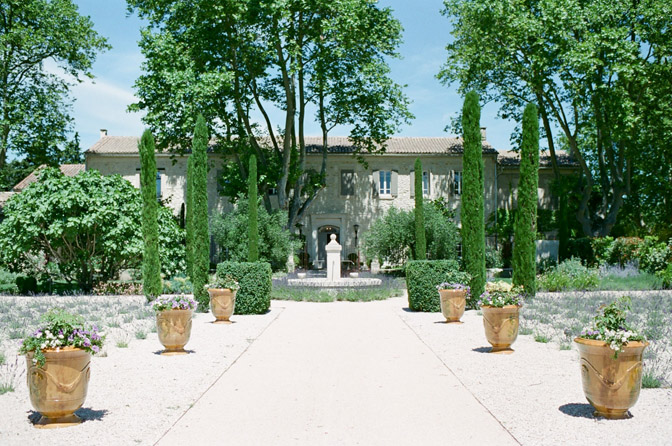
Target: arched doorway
[(324, 237)]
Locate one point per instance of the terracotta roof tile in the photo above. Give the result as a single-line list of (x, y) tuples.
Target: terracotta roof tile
[(67, 169), (510, 158)]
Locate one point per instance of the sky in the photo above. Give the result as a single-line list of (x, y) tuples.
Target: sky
[(102, 103)]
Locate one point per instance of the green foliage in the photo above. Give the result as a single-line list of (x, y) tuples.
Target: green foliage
[(624, 250), (420, 242), (58, 328), (233, 60), (230, 231), (40, 41), (199, 199), (422, 279), (253, 227), (8, 282), (189, 217), (224, 282), (569, 275), (610, 325), (653, 255), (493, 257), (171, 240), (524, 248), (666, 276), (254, 279), (392, 237), (87, 226), (473, 219), (589, 66), (310, 294), (178, 285), (151, 266)]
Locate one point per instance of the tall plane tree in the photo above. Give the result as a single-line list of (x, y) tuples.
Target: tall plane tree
[(597, 71), (34, 102), (239, 60)]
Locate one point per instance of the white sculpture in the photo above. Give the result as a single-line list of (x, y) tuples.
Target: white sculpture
[(333, 259)]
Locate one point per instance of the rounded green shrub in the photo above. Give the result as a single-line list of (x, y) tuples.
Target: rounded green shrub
[(254, 279), (422, 278)]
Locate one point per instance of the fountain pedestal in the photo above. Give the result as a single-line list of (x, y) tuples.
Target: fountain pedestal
[(333, 259)]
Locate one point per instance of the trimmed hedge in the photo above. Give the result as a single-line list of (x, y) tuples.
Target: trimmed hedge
[(254, 279), (422, 278)]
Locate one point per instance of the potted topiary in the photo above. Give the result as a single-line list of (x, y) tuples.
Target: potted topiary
[(173, 322), (500, 304), (453, 297), (611, 361), (222, 298), (58, 355)]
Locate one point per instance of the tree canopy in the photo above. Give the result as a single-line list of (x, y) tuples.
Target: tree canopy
[(34, 102), (600, 73), (237, 61)]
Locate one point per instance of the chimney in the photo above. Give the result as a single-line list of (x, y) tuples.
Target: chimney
[(103, 133), (482, 133)]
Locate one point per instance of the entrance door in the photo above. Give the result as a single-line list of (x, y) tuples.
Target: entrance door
[(324, 237)]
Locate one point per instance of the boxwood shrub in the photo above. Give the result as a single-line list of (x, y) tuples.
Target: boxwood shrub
[(254, 279), (422, 277)]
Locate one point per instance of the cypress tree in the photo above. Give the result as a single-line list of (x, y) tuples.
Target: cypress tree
[(189, 217), (151, 265), (525, 228), (253, 229), (420, 239), (473, 219), (199, 199)]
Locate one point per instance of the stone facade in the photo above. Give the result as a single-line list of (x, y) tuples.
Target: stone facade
[(353, 193)]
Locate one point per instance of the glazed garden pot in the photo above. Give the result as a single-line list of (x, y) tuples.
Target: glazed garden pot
[(611, 385), (58, 388), (452, 304), (501, 327), (174, 330), (222, 304)]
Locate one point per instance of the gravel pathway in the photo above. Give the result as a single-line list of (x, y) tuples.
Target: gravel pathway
[(536, 392), (135, 395)]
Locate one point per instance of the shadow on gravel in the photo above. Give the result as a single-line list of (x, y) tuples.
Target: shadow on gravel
[(578, 410), (186, 352), (85, 413), (481, 349), (88, 414), (408, 310)]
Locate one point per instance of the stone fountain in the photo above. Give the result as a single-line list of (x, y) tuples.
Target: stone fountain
[(334, 279)]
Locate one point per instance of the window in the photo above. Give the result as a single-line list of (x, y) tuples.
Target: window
[(457, 182), (385, 185), (158, 185), (425, 183), (347, 182)]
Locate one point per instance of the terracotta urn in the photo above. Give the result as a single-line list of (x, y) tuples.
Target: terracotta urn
[(58, 388), (174, 330), (611, 385), (501, 327), (452, 304), (222, 304)]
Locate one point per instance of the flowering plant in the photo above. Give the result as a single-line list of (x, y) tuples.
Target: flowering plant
[(500, 294), (181, 302), (455, 286), (611, 327), (224, 282), (61, 329)]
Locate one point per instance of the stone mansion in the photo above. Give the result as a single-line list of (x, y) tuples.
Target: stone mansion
[(354, 196)]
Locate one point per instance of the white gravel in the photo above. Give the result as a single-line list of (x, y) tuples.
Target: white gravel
[(536, 392), (135, 395)]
